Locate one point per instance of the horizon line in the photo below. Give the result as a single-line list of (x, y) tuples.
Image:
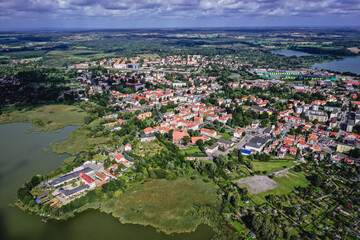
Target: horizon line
[(174, 28)]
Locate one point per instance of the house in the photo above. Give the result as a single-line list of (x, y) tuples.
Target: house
[(120, 121), (198, 119), (238, 133), (257, 144), (267, 150), (349, 161), (195, 139), (148, 130), (315, 148), (255, 124), (350, 125), (114, 115), (119, 158), (147, 137), (225, 118), (212, 149), (208, 132), (179, 136), (128, 147), (280, 154), (143, 116), (225, 143), (293, 151), (114, 167), (285, 148), (334, 157), (102, 176), (333, 122), (312, 139)]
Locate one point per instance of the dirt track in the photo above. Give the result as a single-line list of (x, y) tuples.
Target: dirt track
[(258, 184)]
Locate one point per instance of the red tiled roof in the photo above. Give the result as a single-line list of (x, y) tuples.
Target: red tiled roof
[(102, 183), (86, 177), (119, 157), (101, 175), (208, 130)]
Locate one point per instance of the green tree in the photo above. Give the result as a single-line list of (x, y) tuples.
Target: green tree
[(186, 140)]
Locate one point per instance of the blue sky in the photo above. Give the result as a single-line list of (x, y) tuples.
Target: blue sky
[(73, 14)]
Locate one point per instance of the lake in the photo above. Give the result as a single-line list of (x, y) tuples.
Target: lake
[(22, 156), (348, 64), (289, 53)]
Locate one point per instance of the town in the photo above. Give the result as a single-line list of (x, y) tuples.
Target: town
[(300, 126)]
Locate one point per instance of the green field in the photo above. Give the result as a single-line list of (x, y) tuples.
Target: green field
[(272, 165), (48, 117), (99, 158), (27, 54), (76, 143), (227, 135), (286, 185), (191, 150), (166, 205)]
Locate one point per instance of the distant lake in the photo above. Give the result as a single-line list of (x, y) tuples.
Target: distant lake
[(289, 53), (22, 156), (348, 64)]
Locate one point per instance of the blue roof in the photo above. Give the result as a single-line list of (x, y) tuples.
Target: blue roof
[(246, 151), (38, 201), (74, 190)]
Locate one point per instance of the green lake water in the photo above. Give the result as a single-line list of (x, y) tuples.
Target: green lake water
[(22, 156)]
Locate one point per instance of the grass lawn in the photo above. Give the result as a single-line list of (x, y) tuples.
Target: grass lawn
[(226, 135), (272, 165), (99, 158), (286, 185), (76, 143), (191, 150), (166, 205), (47, 117)]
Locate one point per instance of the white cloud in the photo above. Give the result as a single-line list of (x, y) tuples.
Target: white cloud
[(189, 9)]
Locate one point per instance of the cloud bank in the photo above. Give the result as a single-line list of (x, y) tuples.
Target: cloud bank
[(179, 12)]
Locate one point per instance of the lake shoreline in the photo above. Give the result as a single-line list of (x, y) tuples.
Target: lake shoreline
[(97, 207), (23, 223), (342, 64)]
